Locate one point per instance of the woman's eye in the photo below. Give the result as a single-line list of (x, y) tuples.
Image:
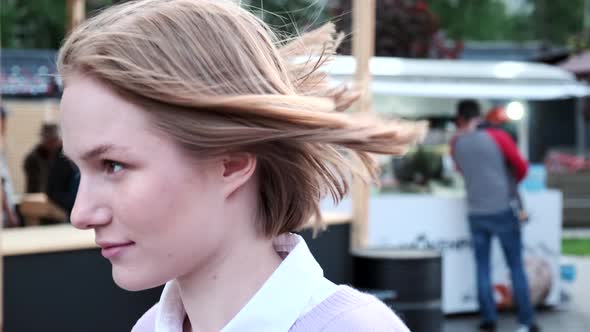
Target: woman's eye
[(112, 167)]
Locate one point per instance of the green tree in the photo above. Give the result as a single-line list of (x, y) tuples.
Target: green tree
[(473, 20), (32, 24), (488, 20), (38, 23), (41, 23), (556, 21)]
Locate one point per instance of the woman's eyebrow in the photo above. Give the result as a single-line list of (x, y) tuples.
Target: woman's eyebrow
[(99, 151)]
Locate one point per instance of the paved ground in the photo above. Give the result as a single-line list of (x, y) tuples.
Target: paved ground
[(574, 319)]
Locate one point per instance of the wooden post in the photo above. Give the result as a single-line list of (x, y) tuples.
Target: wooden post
[(2, 134), (76, 10), (1, 268), (363, 45)]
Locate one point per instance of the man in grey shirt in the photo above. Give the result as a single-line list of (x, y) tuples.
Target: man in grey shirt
[(492, 166)]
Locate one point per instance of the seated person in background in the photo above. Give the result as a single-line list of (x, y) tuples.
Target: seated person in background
[(41, 158), (62, 183), (10, 217), (48, 171)]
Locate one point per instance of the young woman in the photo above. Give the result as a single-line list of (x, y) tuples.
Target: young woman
[(201, 148)]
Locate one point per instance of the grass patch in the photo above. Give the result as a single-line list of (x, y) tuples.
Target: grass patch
[(576, 247)]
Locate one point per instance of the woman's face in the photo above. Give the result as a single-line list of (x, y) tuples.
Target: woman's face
[(156, 213)]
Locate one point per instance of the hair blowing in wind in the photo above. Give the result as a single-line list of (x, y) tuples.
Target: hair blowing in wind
[(216, 79)]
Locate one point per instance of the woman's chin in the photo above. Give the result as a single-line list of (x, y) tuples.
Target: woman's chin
[(134, 282)]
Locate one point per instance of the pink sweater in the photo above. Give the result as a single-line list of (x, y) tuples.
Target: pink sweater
[(347, 310)]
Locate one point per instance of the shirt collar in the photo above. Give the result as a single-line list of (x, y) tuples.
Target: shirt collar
[(277, 305)]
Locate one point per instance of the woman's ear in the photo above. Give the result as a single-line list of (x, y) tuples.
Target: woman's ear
[(238, 168)]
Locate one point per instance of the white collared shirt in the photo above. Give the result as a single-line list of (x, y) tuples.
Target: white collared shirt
[(294, 288)]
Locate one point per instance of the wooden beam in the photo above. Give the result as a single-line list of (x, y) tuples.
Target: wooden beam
[(76, 10), (363, 45)]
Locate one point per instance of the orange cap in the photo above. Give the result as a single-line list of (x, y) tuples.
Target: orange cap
[(497, 115)]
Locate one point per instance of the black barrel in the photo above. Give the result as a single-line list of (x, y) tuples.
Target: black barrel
[(408, 281)]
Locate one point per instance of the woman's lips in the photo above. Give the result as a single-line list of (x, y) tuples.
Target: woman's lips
[(113, 250)]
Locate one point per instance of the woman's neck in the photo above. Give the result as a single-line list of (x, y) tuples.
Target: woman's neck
[(214, 294)]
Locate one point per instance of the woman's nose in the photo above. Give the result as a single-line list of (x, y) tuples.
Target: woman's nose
[(88, 212)]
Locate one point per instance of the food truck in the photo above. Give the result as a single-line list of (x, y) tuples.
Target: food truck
[(421, 203)]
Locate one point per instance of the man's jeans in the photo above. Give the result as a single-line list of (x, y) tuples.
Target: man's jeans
[(506, 226)]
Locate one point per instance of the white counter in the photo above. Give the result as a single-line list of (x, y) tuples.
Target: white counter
[(427, 221), (64, 237)]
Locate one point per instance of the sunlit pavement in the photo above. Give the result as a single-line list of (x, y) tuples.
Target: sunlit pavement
[(575, 318)]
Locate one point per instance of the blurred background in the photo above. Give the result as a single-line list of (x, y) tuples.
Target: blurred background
[(526, 62)]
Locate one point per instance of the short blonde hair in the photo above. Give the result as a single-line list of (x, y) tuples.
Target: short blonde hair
[(215, 79)]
